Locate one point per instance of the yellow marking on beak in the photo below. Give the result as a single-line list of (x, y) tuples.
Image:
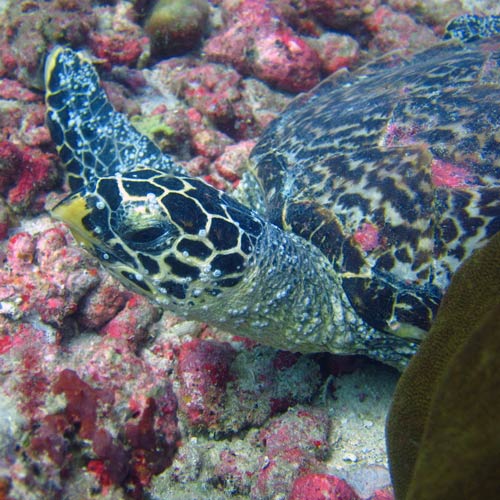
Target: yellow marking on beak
[(50, 63), (72, 210)]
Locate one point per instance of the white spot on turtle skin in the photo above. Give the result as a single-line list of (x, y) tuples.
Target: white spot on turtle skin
[(105, 256), (164, 301), (281, 294), (100, 205), (202, 233), (217, 273), (139, 277), (304, 317), (259, 324)]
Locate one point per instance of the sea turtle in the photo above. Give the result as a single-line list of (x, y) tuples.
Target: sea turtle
[(360, 202)]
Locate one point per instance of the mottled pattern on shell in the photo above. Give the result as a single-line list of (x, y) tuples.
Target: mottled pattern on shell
[(393, 171)]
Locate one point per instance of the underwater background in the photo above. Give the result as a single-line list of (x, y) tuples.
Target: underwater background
[(103, 395)]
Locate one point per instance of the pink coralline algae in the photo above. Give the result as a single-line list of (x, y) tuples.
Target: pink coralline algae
[(25, 174), (335, 51), (279, 57), (206, 141), (117, 49), (132, 322), (29, 28), (215, 92), (395, 30), (383, 494), (102, 304), (116, 416), (448, 175), (232, 163), (12, 89), (203, 370), (299, 427), (367, 237), (293, 444), (8, 62), (225, 391), (45, 276), (321, 487)]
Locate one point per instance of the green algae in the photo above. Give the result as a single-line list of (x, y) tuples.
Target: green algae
[(155, 128)]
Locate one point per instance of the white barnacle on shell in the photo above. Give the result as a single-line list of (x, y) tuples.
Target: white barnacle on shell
[(151, 198)]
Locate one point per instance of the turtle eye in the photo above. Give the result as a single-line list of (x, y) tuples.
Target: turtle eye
[(143, 229), (151, 237), (146, 235)]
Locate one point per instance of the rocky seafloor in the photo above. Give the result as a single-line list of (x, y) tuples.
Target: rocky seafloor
[(103, 395)]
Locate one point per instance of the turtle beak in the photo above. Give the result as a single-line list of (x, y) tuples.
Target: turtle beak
[(72, 210)]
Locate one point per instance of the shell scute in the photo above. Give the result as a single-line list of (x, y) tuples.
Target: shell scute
[(407, 147)]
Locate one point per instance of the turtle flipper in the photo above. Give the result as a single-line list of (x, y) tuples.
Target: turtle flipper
[(92, 138)]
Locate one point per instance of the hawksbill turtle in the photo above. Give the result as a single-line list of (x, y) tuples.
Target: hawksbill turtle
[(360, 202)]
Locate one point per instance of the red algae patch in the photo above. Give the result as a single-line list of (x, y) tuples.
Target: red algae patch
[(445, 174), (130, 459), (367, 237)]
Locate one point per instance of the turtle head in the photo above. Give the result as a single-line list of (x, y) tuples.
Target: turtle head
[(175, 239)]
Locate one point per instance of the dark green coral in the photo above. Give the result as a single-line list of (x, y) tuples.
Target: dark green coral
[(442, 429), (176, 26)]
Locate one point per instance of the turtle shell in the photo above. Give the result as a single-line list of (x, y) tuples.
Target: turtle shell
[(393, 171)]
